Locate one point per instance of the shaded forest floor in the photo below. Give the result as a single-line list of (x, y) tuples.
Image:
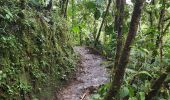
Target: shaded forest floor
[(89, 76)]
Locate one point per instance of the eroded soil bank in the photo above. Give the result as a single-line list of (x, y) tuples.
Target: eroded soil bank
[(89, 76)]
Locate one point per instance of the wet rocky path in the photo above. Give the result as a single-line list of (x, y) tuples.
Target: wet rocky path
[(90, 75)]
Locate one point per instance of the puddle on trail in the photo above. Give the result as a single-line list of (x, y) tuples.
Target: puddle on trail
[(90, 75)]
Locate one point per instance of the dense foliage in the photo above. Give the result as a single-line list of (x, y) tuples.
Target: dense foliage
[(149, 55), (37, 37), (35, 52)]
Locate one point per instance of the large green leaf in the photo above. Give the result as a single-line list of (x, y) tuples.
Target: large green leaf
[(142, 95), (124, 92), (138, 72), (131, 91), (145, 73), (36, 2), (76, 29)]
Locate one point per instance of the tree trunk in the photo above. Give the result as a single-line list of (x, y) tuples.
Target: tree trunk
[(157, 85), (124, 58), (72, 10), (65, 11), (160, 28), (95, 29), (80, 35), (118, 29), (62, 6), (104, 17)]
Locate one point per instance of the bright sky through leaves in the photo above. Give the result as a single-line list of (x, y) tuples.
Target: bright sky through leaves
[(129, 2)]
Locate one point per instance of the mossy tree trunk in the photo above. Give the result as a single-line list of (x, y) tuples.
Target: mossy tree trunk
[(65, 9), (157, 85), (124, 58), (118, 28)]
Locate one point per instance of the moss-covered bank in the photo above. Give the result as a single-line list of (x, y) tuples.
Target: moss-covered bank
[(35, 52)]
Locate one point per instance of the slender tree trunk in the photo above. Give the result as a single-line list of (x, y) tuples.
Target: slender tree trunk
[(151, 19), (72, 10), (95, 29), (80, 35), (166, 28), (160, 28), (62, 4), (66, 5), (124, 58), (118, 29), (104, 37), (156, 86), (104, 17), (22, 6)]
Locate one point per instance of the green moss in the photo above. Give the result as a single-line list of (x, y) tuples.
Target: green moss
[(34, 55)]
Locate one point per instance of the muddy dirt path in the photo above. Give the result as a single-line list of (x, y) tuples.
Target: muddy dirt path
[(89, 76)]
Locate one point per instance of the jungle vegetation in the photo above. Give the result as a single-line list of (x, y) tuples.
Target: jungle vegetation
[(37, 39)]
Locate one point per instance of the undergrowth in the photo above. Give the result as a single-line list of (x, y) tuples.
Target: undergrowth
[(35, 52)]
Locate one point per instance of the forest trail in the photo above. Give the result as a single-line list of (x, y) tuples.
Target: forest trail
[(89, 76)]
